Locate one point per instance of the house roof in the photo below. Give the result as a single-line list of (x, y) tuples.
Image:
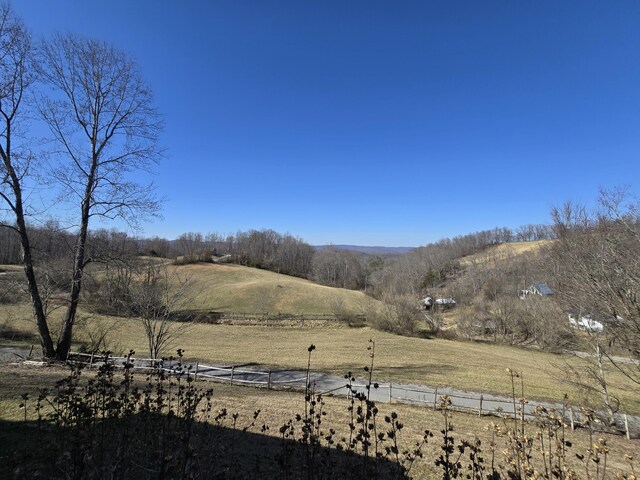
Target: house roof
[(543, 288)]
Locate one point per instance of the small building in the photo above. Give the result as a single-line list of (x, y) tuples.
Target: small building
[(445, 302), (541, 289), (429, 302)]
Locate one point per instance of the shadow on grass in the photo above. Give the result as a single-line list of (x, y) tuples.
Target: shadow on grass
[(11, 334), (150, 446)]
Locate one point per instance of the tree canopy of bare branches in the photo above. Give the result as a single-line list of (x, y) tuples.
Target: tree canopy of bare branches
[(101, 115), (104, 127), (15, 80), (597, 266)]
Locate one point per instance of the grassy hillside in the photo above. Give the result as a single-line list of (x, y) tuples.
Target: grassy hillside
[(234, 288), (502, 264), (503, 251), (473, 366)]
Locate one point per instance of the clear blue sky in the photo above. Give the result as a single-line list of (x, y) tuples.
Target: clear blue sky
[(377, 123)]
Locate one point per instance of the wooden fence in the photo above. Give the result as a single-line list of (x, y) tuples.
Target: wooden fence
[(473, 403)]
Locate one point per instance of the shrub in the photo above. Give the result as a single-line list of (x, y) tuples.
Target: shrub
[(166, 427), (399, 316)]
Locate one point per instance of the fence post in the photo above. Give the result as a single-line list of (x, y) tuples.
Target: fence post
[(626, 426), (232, 370), (269, 381), (195, 377), (573, 427), (435, 398), (91, 361), (481, 398), (390, 394)]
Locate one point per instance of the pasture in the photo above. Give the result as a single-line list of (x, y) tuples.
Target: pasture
[(235, 288), (473, 366), (503, 251)]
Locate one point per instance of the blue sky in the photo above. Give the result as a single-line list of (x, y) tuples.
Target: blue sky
[(376, 123)]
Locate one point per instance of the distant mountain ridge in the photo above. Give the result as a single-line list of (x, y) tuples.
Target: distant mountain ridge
[(368, 250)]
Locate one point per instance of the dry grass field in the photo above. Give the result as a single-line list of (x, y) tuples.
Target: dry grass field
[(470, 366), (503, 251), (235, 288), (278, 406)]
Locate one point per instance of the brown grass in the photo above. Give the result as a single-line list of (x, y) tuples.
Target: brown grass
[(469, 366), (279, 406), (504, 251), (235, 288)]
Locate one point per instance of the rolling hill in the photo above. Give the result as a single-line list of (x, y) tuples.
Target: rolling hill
[(235, 288)]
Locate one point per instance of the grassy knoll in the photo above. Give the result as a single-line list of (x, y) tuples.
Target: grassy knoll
[(277, 407), (234, 288), (10, 268)]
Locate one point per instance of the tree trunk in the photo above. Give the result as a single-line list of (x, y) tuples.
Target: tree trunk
[(36, 302), (64, 342), (27, 259), (604, 391)]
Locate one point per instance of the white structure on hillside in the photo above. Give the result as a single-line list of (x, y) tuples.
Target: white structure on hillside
[(429, 302), (585, 322)]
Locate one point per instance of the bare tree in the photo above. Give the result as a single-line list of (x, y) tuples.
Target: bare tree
[(15, 79), (596, 260), (102, 118), (191, 246), (590, 376), (9, 247), (155, 295), (339, 268)]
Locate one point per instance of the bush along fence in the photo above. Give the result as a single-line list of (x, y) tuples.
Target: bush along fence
[(469, 402), (267, 318)]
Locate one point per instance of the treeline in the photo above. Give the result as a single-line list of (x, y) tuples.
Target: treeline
[(52, 242), (265, 249), (421, 268)]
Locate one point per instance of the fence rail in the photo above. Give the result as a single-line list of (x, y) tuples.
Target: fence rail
[(475, 403), (265, 318)]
